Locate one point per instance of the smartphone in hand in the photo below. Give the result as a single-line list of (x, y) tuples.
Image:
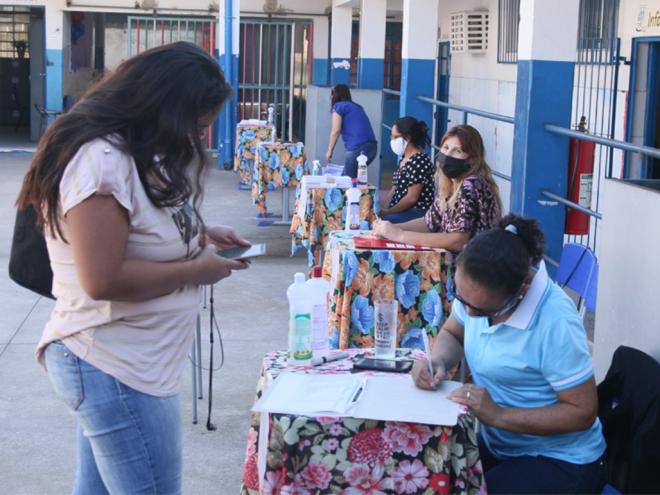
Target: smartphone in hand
[(243, 253)]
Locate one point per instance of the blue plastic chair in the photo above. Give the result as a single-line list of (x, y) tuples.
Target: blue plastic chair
[(578, 270)]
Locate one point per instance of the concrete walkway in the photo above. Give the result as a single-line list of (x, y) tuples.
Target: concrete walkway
[(37, 434)]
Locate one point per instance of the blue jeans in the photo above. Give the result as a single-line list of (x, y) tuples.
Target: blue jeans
[(404, 216), (540, 474), (350, 158), (128, 442)]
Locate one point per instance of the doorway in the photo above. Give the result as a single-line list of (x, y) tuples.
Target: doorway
[(643, 126), (22, 76), (275, 67)]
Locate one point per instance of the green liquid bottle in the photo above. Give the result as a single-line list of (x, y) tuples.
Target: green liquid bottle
[(300, 340)]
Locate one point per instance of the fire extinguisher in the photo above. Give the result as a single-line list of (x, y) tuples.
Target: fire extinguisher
[(580, 180)]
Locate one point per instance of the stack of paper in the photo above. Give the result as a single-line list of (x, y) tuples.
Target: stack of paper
[(381, 397)]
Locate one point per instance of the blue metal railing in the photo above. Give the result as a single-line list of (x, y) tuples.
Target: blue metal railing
[(467, 111), (611, 143)]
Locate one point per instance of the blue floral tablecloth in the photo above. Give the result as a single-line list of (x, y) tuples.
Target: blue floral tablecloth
[(324, 213), (277, 165), (421, 282), (248, 136)]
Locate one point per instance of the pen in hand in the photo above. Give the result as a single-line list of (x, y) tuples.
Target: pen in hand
[(427, 350)]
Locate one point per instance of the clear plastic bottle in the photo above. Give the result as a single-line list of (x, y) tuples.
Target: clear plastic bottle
[(362, 176), (300, 325), (353, 207), (316, 167), (271, 114), (318, 289)]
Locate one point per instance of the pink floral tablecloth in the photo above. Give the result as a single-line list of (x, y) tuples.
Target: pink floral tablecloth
[(319, 455)]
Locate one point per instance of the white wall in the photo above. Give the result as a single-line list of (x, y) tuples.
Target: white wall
[(319, 123), (627, 311), (479, 81)]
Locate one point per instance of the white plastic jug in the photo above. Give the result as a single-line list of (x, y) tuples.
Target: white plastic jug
[(318, 290), (300, 327)]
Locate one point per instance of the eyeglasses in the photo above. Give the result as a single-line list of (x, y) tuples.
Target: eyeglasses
[(508, 306)]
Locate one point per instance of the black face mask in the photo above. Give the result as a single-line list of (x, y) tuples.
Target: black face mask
[(452, 167)]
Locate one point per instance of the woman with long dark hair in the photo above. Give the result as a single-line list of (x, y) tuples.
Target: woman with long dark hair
[(412, 189), (351, 122), (467, 199), (534, 391), (117, 186)]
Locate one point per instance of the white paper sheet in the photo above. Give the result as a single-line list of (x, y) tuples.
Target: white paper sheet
[(389, 397), (396, 398), (310, 394)]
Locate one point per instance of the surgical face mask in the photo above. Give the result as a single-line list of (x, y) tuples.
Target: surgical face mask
[(398, 146), (452, 167)]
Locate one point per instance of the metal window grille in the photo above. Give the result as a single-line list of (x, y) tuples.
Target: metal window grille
[(14, 32), (508, 20), (392, 76), (597, 21), (275, 66), (355, 50)]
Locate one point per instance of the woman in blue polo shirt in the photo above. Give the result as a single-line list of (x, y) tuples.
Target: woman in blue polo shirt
[(534, 391), (351, 122)]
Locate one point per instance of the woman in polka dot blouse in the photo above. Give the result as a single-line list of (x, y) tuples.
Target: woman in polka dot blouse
[(467, 201), (412, 184)]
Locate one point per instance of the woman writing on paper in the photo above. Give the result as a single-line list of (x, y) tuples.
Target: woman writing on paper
[(467, 199), (350, 121), (412, 183), (534, 391), (117, 184)]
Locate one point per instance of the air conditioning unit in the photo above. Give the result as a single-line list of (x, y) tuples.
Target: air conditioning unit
[(469, 32)]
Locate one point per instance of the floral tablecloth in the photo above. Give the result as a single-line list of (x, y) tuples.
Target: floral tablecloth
[(276, 165), (421, 281), (352, 456), (247, 138), (324, 213)]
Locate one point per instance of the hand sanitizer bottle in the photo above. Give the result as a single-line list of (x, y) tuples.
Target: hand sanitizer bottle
[(271, 114), (318, 289), (362, 169), (300, 325), (353, 207)]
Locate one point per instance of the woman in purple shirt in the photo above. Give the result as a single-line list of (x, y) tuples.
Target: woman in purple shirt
[(351, 122), (467, 199)]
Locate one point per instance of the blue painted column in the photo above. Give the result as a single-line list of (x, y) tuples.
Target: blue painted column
[(228, 33), (340, 44), (371, 63), (321, 52), (420, 32), (546, 55), (54, 59)]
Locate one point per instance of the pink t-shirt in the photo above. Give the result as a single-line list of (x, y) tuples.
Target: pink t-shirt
[(143, 344)]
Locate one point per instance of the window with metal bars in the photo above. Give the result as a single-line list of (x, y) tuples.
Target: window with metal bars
[(597, 21), (508, 20)]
